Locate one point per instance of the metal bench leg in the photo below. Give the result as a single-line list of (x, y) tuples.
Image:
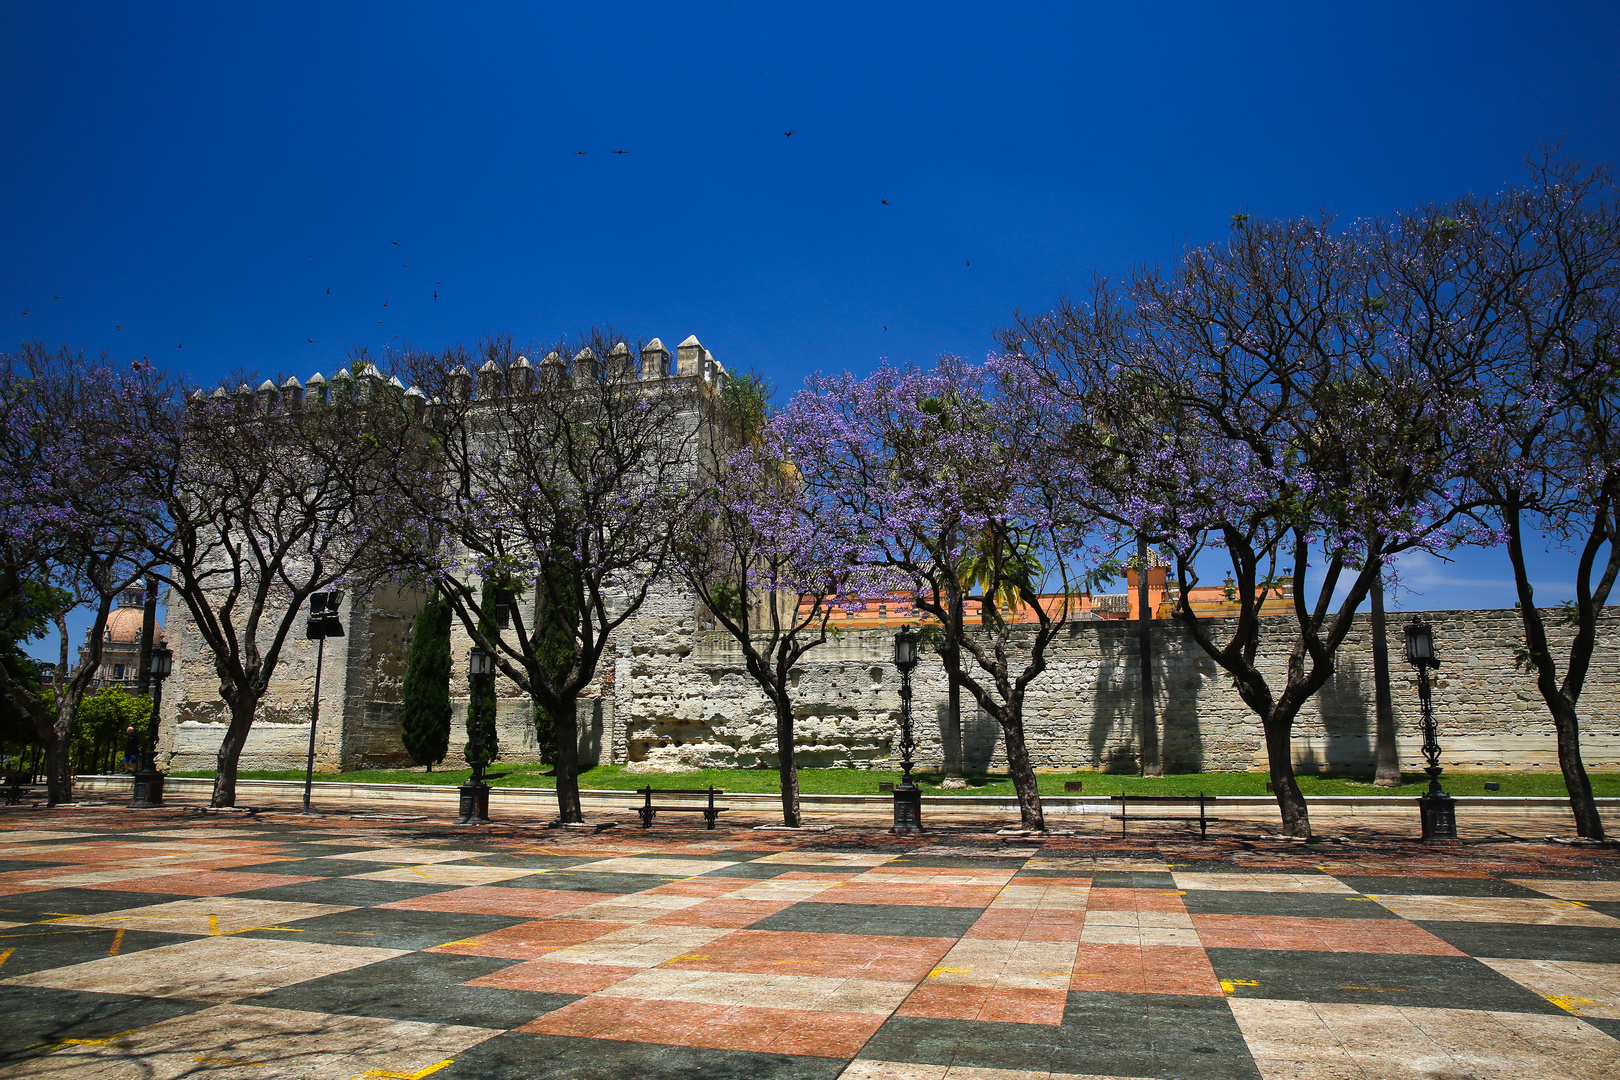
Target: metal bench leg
[(646, 817)]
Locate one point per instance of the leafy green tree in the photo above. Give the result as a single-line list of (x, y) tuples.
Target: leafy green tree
[(100, 726), (425, 710), (555, 647)]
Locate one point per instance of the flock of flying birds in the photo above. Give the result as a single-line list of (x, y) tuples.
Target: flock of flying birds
[(440, 284)]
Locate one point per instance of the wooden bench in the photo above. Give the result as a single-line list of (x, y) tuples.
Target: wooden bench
[(648, 811), (1203, 818), (17, 785)]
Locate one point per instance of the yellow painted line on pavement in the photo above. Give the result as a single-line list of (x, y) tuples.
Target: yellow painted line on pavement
[(1229, 986), (213, 926), (4, 956), (417, 1075), (1567, 1002), (109, 1040), (117, 943), (949, 971)]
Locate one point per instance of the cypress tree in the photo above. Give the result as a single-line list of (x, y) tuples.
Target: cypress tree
[(425, 711), (559, 612), (481, 702)]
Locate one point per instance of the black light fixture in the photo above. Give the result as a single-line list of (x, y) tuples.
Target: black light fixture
[(149, 782), (1436, 809), (323, 616), (323, 623), (475, 793), (1420, 645), (907, 796)]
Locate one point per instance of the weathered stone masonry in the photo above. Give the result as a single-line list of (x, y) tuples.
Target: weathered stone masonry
[(670, 692)]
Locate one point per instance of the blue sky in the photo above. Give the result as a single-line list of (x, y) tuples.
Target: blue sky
[(223, 186)]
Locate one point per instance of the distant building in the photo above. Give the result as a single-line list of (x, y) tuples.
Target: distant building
[(121, 643)]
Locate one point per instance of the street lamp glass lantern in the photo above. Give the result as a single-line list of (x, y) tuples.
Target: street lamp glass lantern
[(478, 662), (162, 662), (905, 648), (1419, 644)]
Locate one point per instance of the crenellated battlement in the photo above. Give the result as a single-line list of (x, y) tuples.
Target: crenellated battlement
[(691, 361)]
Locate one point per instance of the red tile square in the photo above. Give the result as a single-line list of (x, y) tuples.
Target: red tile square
[(723, 914), (1027, 924), (553, 977), (768, 952), (1135, 900), (718, 1027), (1145, 969), (496, 900), (528, 940)]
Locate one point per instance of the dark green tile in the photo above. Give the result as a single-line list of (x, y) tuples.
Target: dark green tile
[(40, 947), (1519, 941), (303, 867), (1435, 982), (1438, 886), (1611, 1028), (351, 892), (585, 881), (1028, 873), (384, 928), (47, 903), (1132, 879), (897, 920), (18, 866), (419, 986), (1284, 905), (759, 870), (520, 1056), (1160, 1035), (975, 1043), (36, 1017), (1102, 1034)]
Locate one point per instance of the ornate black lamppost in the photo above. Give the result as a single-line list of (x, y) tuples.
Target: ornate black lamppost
[(475, 793), (1435, 807), (323, 623), (149, 782), (907, 796)]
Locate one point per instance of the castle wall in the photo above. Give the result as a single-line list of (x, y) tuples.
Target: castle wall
[(686, 698)]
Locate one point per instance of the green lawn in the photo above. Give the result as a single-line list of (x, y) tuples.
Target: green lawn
[(865, 782)]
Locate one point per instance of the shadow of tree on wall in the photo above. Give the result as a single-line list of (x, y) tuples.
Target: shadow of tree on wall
[(1178, 678), (1346, 742)]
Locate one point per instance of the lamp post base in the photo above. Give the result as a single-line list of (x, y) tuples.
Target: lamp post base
[(907, 809), (1439, 815), (474, 803), (148, 789)]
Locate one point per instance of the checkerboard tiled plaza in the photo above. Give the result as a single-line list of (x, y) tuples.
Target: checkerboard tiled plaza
[(152, 946)]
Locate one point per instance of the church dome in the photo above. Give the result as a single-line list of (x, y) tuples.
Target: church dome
[(124, 626)]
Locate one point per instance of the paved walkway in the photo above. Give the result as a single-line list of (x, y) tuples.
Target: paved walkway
[(166, 944)]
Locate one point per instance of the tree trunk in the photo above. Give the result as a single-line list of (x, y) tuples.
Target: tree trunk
[(1388, 755), (1566, 723), (58, 767), (565, 721), (1587, 822), (951, 737), (1030, 814), (787, 766), (230, 751), (1151, 764), (1279, 729)]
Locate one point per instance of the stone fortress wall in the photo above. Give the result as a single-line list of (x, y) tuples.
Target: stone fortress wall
[(673, 694), (669, 692), (363, 672)]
